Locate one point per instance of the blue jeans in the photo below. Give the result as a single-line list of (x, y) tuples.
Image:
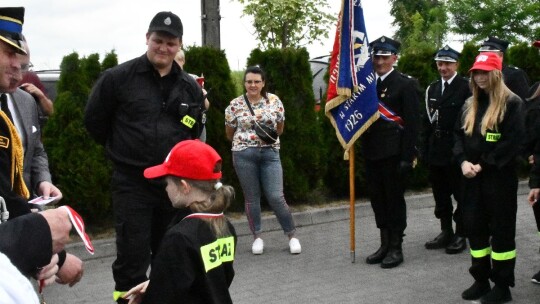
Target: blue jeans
[(258, 167)]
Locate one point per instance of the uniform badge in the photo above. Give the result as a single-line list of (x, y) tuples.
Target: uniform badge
[(4, 142), (383, 94), (493, 137)]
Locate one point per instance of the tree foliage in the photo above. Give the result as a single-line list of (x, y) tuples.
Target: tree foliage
[(419, 22), (512, 20), (289, 23), (212, 63), (77, 163)]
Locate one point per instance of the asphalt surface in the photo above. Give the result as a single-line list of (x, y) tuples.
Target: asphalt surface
[(324, 271)]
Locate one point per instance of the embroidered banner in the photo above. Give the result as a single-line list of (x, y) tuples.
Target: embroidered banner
[(352, 103)]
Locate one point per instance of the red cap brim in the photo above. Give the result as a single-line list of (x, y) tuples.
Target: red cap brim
[(156, 171), (537, 44)]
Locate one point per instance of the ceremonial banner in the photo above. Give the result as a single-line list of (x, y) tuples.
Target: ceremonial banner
[(352, 103)]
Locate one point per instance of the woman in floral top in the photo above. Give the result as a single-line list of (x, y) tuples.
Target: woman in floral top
[(256, 162)]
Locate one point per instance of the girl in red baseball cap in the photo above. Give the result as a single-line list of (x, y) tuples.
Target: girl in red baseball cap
[(195, 261), (490, 129)]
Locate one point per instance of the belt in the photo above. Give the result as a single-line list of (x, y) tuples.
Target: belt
[(441, 133)]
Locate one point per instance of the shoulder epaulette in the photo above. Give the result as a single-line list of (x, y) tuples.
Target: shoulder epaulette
[(405, 75), (513, 67)]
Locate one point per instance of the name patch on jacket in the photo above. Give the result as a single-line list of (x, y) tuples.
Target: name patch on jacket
[(188, 121), (493, 137), (4, 142), (214, 254)]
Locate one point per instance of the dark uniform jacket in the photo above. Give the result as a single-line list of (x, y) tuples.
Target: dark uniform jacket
[(516, 80), (498, 148), (132, 113), (9, 178), (385, 139), (26, 237), (192, 265), (440, 117), (27, 242), (532, 147)]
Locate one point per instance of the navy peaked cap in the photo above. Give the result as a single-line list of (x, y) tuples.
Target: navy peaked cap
[(384, 46), (494, 44), (446, 53)]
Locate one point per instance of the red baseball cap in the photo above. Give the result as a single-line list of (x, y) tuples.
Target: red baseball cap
[(191, 159), (487, 61), (537, 44)]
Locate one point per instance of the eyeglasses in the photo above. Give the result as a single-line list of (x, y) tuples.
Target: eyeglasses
[(253, 81), (26, 67)]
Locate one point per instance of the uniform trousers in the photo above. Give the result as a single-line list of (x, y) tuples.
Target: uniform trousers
[(386, 186), (142, 213), (445, 183), (489, 210), (536, 210)]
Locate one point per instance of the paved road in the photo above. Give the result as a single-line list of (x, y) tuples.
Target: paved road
[(323, 273)]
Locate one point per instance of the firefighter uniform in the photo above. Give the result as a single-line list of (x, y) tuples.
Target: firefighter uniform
[(389, 151), (490, 198), (444, 100), (532, 123)]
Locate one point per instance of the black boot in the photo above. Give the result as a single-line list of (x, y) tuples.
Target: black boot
[(444, 238), (499, 294), (476, 291), (394, 257), (457, 245), (379, 255)]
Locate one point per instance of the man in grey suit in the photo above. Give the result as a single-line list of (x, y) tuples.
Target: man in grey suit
[(36, 164)]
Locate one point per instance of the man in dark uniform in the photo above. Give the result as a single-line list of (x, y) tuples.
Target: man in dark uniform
[(139, 110), (532, 149), (444, 99), (389, 149), (515, 78)]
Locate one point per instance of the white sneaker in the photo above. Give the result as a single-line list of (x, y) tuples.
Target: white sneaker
[(258, 246), (294, 246)]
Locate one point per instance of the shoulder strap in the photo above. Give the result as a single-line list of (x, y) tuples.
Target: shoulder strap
[(249, 105)]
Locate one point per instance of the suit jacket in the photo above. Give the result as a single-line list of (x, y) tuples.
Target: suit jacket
[(441, 114), (384, 139), (36, 162)]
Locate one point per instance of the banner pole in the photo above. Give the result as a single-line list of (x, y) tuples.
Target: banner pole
[(352, 204)]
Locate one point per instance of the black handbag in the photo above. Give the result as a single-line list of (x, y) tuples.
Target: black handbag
[(266, 133)]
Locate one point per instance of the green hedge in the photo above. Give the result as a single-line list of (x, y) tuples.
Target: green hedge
[(312, 158), (212, 63), (78, 164)]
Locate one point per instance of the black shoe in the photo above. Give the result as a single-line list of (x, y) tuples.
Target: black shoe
[(392, 259), (377, 257), (457, 245), (440, 241), (476, 291), (536, 278), (499, 294)]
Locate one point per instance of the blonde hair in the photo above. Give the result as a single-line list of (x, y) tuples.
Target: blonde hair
[(218, 201), (498, 94)]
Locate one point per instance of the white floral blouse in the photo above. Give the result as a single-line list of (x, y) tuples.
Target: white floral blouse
[(237, 115)]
